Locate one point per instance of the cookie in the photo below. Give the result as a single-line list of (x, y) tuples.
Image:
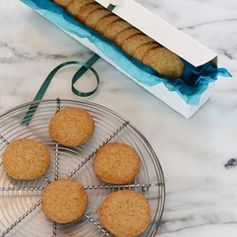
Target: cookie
[(141, 50), (86, 10), (165, 62), (71, 126), (64, 201), (133, 42), (114, 28), (74, 6), (62, 3), (104, 22), (116, 163), (93, 18), (122, 36), (26, 159), (125, 213)]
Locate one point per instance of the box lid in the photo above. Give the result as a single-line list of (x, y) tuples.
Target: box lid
[(161, 31)]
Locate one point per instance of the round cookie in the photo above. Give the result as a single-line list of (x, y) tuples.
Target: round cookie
[(122, 36), (86, 10), (104, 22), (141, 50), (64, 200), (93, 18), (114, 28), (26, 159), (125, 213), (63, 3), (71, 126), (74, 6), (132, 43), (164, 62), (116, 163)]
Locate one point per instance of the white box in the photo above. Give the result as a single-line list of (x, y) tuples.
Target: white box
[(168, 36)]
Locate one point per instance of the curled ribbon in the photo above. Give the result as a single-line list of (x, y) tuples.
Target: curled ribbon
[(85, 67), (40, 94)]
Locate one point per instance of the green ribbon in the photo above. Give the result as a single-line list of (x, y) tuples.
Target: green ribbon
[(84, 68), (111, 7), (40, 94)]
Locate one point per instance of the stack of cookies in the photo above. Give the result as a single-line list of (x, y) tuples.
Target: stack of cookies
[(132, 41)]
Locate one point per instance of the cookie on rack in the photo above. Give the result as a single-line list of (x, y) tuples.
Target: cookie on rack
[(26, 159), (71, 126), (125, 213), (64, 200), (116, 163)]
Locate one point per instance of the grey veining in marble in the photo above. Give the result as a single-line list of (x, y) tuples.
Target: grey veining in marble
[(198, 155)]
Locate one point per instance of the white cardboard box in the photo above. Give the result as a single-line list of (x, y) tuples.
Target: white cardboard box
[(168, 36)]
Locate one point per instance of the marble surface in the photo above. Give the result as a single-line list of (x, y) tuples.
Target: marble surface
[(201, 188)]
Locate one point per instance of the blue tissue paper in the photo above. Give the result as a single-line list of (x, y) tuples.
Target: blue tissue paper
[(189, 87)]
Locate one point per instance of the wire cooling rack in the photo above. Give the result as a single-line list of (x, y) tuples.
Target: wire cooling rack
[(20, 212)]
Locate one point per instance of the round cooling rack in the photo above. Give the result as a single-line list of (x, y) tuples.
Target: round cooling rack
[(20, 211)]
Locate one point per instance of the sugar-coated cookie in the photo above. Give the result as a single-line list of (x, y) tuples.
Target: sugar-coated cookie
[(122, 36), (104, 22), (75, 5), (62, 3), (86, 10), (164, 62), (93, 18), (114, 28), (26, 159), (116, 163), (133, 42), (64, 200), (71, 126), (143, 49), (125, 213)]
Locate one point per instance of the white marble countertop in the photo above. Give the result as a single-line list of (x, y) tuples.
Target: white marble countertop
[(201, 192)]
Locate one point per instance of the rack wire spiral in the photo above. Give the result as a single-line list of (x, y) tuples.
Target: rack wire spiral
[(20, 212)]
